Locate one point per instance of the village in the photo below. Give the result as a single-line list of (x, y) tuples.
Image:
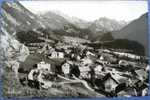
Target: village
[(105, 71), (74, 49)]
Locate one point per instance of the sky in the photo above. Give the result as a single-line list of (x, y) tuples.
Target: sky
[(91, 10)]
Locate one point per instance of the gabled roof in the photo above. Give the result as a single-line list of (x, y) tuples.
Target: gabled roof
[(130, 91), (141, 72), (107, 76)]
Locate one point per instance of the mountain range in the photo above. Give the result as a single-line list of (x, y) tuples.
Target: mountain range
[(102, 24)]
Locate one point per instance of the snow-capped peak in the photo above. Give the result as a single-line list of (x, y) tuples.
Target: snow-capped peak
[(106, 24)]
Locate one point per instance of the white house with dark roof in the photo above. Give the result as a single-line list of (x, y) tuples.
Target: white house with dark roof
[(44, 66), (66, 68)]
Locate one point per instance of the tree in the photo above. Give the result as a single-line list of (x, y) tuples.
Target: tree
[(106, 37)]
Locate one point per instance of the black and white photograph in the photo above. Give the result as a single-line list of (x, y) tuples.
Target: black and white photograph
[(74, 49)]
